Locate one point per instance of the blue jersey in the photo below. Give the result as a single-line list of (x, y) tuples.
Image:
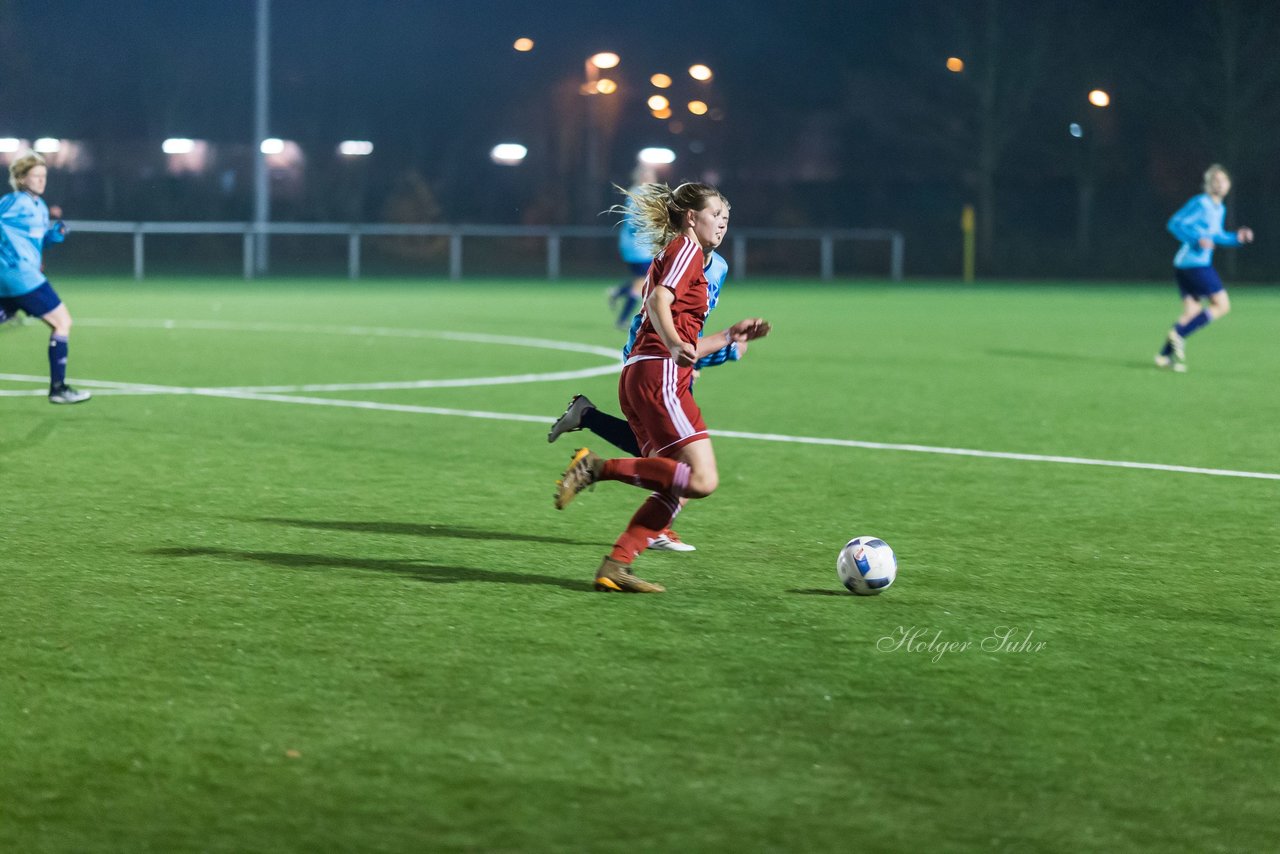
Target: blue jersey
[(716, 271), (1200, 217), (632, 248), (24, 229)]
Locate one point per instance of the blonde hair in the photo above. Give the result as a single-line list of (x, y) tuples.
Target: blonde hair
[(659, 211), (19, 168), (1214, 169)]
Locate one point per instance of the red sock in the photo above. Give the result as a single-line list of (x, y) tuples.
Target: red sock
[(657, 473), (653, 517)]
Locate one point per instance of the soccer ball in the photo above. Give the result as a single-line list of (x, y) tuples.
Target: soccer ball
[(867, 565)]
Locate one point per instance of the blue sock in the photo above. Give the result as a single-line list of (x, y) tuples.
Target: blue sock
[(57, 360), (1201, 319), (628, 309), (612, 429)]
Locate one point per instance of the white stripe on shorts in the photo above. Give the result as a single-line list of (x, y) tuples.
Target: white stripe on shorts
[(671, 396)]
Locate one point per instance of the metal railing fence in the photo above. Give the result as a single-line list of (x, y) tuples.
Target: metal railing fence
[(825, 240)]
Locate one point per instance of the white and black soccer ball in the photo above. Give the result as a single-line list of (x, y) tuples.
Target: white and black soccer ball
[(867, 565)]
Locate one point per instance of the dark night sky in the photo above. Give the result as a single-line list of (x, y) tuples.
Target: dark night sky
[(164, 68)]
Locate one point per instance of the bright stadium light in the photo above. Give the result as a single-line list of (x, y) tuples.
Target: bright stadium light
[(664, 113), (355, 148), (605, 60), (8, 145), (186, 156), (698, 108), (700, 72), (47, 145), (523, 45), (955, 64), (656, 156), (508, 153), (661, 81), (605, 86), (658, 102), (272, 146), (1099, 98), (1075, 130)]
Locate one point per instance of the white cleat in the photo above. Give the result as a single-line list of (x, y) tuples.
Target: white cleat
[(669, 541), (66, 394)]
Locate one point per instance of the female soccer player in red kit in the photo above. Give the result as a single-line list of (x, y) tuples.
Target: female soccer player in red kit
[(655, 387)]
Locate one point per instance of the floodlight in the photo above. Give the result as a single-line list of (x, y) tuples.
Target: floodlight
[(508, 153), (355, 148), (656, 156)]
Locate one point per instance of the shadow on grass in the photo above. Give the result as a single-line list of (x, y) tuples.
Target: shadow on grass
[(1046, 356), (404, 568), (820, 591), (418, 529)]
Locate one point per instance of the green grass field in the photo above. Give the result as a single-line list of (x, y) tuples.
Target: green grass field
[(239, 620)]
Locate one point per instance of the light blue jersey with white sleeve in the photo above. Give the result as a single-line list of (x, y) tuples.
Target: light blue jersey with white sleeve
[(716, 271), (24, 230), (632, 248), (1200, 217)]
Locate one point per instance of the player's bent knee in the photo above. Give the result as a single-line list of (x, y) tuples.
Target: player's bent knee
[(702, 484)]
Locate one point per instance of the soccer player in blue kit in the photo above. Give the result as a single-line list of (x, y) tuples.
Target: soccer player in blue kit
[(583, 414), (1199, 226), (25, 227), (636, 254)]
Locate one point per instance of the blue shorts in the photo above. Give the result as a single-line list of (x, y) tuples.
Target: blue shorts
[(638, 268), (36, 303), (1198, 282)]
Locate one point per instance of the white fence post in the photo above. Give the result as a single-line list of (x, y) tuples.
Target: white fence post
[(248, 254), (138, 263), (353, 255), (828, 257), (553, 256), (455, 256)]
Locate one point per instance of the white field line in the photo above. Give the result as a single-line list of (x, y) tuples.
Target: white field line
[(358, 331), (107, 387), (276, 394)]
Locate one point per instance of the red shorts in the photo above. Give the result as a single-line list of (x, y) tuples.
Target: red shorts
[(657, 399)]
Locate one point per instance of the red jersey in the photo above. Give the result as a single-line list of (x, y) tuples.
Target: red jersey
[(679, 268)]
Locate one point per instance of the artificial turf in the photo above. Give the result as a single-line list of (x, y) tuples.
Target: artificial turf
[(231, 622)]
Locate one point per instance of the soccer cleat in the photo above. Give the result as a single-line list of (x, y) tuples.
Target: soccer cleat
[(584, 470), (615, 577), (669, 541), (572, 418), (1169, 362), (66, 394)]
